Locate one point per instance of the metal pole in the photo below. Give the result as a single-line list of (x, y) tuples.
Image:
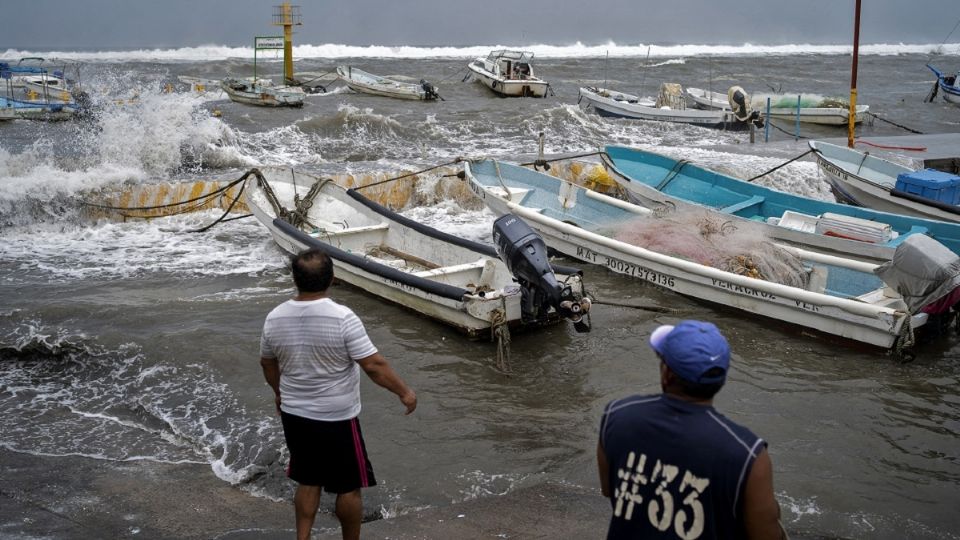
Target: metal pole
[(852, 115), (797, 130), (766, 125)]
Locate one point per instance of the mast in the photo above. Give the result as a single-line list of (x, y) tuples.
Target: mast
[(287, 16), (852, 115)]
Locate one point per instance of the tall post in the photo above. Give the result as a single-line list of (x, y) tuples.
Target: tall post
[(852, 115), (287, 16), (766, 123), (796, 136)]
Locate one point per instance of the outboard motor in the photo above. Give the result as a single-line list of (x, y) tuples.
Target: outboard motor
[(525, 254), (740, 105), (431, 90)]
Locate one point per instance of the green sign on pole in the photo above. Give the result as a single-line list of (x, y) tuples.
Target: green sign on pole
[(264, 43)]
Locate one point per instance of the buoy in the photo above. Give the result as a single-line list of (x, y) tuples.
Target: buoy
[(216, 113)]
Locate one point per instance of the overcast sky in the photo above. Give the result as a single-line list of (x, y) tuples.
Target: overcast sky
[(102, 24)]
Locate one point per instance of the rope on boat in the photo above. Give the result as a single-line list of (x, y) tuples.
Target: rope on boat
[(642, 307), (888, 147), (500, 332), (541, 162), (784, 164), (395, 178), (225, 213), (903, 349), (901, 126)]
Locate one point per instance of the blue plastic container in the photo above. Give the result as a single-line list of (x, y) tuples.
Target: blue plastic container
[(931, 184)]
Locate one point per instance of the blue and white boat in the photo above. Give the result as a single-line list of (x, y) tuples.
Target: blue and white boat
[(834, 295), (655, 180), (866, 180), (949, 85), (31, 90)]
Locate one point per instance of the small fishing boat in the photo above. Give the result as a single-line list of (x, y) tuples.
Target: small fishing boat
[(813, 109), (706, 99), (30, 90), (368, 83), (262, 92), (669, 107), (473, 287), (833, 295), (655, 181), (509, 74), (949, 85), (864, 180)]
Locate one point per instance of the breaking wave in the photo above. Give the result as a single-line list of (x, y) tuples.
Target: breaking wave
[(575, 50)]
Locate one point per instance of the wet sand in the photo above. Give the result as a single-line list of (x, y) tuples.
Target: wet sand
[(81, 498), (74, 498)]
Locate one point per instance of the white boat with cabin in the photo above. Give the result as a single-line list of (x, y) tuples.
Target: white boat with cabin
[(509, 74)]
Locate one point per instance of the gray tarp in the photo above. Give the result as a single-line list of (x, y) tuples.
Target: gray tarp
[(922, 271)]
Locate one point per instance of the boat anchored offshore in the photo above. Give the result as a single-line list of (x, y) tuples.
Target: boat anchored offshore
[(812, 109), (368, 83), (948, 84), (33, 90), (509, 74), (262, 92), (669, 106), (667, 184), (833, 295), (475, 288)]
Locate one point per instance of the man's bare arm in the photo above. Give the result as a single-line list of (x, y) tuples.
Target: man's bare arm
[(380, 372), (271, 372), (603, 468), (761, 512)]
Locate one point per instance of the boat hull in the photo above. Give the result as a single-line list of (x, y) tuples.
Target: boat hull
[(483, 295), (647, 173), (852, 319), (267, 97), (510, 87), (617, 104), (366, 83), (824, 116), (872, 186)]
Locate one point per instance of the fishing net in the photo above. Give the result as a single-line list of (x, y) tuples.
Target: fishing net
[(715, 242)]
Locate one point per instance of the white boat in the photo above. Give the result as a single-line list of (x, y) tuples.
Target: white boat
[(706, 99), (669, 107), (461, 283), (833, 295), (948, 84), (262, 92), (368, 83), (509, 73), (813, 109), (866, 180)]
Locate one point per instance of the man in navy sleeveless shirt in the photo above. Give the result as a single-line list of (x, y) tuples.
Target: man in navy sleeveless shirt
[(674, 467)]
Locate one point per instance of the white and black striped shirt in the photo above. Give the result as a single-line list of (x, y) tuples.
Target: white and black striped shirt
[(317, 344)]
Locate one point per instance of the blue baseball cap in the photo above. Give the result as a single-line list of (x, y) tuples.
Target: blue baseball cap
[(691, 349)]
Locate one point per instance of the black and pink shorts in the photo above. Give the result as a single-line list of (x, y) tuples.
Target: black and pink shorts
[(327, 454)]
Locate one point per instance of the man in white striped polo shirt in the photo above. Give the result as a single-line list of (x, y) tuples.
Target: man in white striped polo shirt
[(311, 352)]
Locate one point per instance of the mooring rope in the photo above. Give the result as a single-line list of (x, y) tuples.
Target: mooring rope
[(395, 178), (882, 119), (170, 205), (784, 164), (562, 158)]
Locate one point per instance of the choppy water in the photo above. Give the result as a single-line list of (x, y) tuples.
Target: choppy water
[(138, 340)]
